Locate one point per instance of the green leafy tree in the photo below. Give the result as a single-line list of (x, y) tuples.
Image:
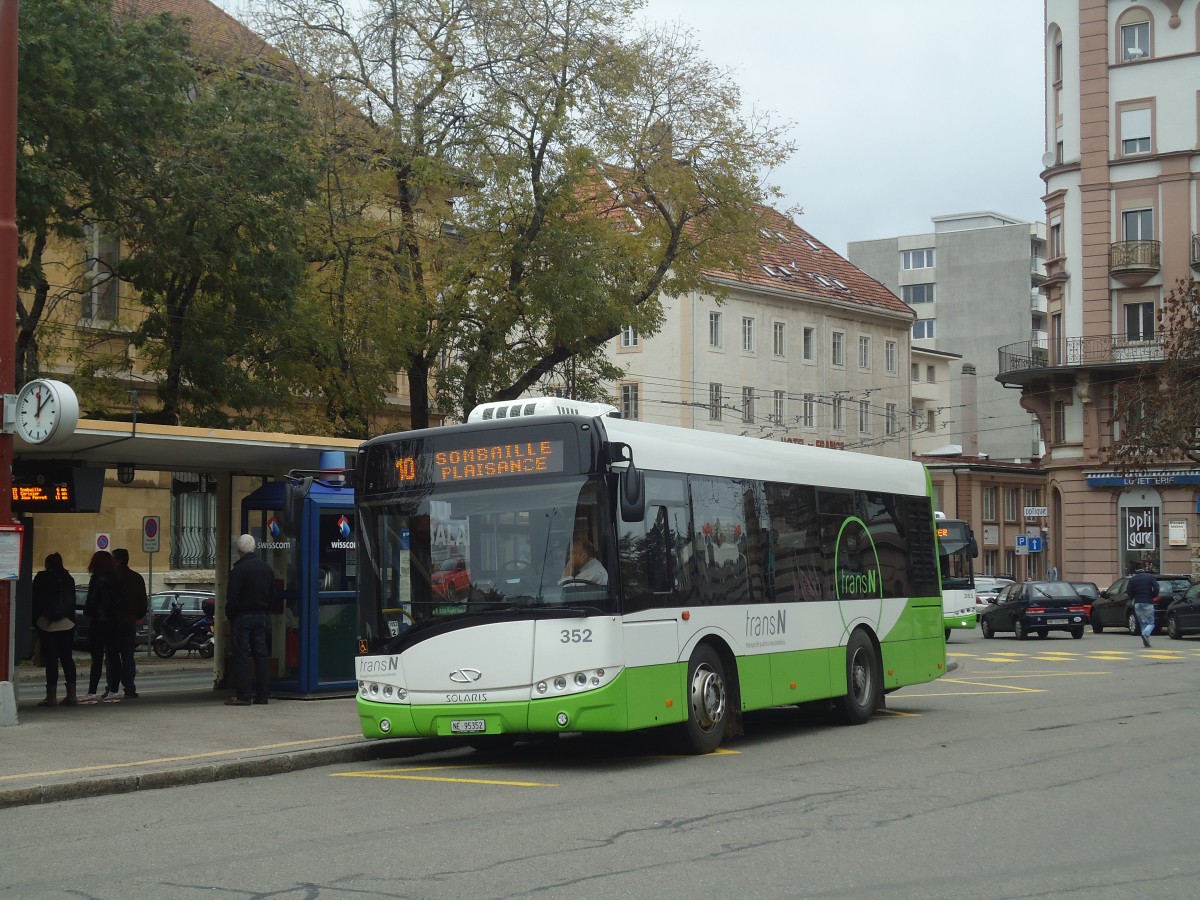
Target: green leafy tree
[(549, 177), (94, 98), (213, 250), (1159, 410)]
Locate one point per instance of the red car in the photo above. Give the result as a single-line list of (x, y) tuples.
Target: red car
[(452, 579)]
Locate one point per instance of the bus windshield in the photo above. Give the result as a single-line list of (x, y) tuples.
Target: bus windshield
[(957, 550), (435, 556)]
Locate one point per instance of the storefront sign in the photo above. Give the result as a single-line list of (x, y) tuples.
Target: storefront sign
[(1145, 479), (1141, 527)]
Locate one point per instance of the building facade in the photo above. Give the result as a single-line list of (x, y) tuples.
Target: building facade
[(803, 348), (973, 282), (1122, 175)]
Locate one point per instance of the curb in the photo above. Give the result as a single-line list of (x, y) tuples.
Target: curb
[(254, 767)]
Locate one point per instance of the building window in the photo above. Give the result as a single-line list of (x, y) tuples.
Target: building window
[(914, 372), (931, 419), (1060, 421), (913, 294), (864, 352), (1138, 224), (780, 413), (1010, 562), (747, 404), (917, 259), (193, 521), (931, 374), (1058, 145), (810, 343), (838, 349), (1010, 504), (1135, 41), (839, 423), (1056, 239), (714, 329), (1135, 131), (864, 417), (923, 328), (989, 504), (779, 340), (808, 415), (102, 296), (890, 361), (747, 334), (991, 559), (1058, 62), (714, 401), (890, 419), (630, 401), (1033, 497), (1139, 321), (629, 336)]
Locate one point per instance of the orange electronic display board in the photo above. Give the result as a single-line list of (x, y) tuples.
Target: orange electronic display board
[(41, 486)]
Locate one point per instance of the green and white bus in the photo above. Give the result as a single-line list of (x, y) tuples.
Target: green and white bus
[(734, 574), (957, 551)]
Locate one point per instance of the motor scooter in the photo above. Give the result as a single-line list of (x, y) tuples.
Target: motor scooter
[(176, 633)]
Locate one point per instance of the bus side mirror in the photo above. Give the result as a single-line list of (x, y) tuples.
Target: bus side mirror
[(973, 549), (294, 494), (633, 494)]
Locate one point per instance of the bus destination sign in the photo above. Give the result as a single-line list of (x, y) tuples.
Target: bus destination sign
[(482, 462)]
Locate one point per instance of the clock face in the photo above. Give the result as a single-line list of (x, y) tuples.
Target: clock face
[(46, 410)]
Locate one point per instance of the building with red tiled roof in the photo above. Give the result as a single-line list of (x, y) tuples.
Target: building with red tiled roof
[(805, 348)]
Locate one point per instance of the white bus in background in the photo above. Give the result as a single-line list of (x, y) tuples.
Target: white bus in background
[(957, 551)]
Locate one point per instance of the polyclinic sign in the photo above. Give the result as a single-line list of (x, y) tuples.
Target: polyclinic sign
[(1141, 528)]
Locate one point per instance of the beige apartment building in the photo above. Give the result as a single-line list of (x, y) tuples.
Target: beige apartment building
[(1122, 174), (804, 348)]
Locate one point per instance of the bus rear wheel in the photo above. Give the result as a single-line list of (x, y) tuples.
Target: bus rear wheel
[(863, 681), (708, 702)]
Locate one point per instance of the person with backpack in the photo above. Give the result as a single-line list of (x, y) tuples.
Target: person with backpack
[(133, 607), (103, 608), (54, 612)]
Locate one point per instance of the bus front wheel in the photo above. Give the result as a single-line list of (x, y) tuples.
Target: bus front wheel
[(863, 681), (708, 702)]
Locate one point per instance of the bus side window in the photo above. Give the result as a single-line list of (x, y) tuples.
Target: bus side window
[(659, 552)]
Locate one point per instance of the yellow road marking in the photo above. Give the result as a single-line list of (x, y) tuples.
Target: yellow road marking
[(174, 759), (444, 779)]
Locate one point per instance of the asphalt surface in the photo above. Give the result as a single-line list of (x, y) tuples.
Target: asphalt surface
[(170, 736)]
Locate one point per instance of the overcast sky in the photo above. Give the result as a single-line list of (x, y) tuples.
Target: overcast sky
[(902, 110)]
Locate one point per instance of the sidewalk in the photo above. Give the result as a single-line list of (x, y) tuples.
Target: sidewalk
[(171, 737)]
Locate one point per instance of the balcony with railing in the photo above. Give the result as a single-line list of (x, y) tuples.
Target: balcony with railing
[(1025, 359), (1133, 263)]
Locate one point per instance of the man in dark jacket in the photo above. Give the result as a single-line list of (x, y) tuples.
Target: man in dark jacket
[(1143, 588), (248, 598), (133, 591)]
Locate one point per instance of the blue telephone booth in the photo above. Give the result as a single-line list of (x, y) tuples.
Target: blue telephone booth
[(314, 623)]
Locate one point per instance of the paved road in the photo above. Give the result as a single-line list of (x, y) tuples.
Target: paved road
[(1055, 768)]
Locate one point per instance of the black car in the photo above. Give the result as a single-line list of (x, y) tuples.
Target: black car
[(83, 624), (1035, 607), (1114, 609), (1183, 614)]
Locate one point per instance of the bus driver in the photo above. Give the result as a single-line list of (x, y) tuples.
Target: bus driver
[(582, 564)]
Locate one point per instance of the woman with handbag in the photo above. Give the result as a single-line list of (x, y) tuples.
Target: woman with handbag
[(54, 612)]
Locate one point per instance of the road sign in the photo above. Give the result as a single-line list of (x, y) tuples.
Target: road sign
[(103, 540), (1022, 544), (150, 534), (1035, 545)]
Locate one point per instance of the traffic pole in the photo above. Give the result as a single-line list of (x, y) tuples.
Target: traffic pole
[(8, 301)]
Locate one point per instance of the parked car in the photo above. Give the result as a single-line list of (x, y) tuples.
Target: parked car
[(452, 579), (987, 590), (1113, 609), (1035, 607), (83, 624), (1183, 613), (1088, 591)]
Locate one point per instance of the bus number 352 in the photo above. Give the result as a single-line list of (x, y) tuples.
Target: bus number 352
[(577, 636)]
